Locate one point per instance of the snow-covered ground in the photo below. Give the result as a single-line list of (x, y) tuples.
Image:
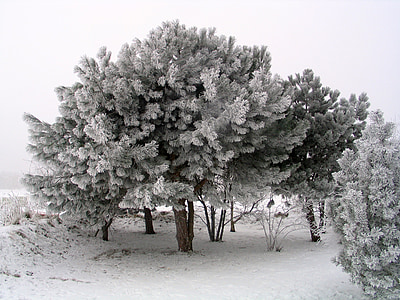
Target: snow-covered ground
[(43, 259)]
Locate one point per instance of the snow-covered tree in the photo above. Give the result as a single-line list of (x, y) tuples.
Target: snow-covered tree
[(95, 151), (176, 111), (367, 210), (214, 105), (249, 174), (334, 126)]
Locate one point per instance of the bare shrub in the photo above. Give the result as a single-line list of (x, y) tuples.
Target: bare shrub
[(278, 220), (13, 208)]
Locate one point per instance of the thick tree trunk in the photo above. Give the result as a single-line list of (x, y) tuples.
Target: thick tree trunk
[(184, 226), (148, 219), (105, 227), (315, 237), (232, 221)]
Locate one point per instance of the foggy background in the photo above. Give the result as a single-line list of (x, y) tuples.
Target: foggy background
[(354, 46)]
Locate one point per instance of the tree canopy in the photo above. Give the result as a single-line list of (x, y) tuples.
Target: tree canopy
[(174, 112), (334, 125)]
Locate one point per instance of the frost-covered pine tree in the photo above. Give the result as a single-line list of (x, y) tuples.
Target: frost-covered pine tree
[(175, 111), (334, 125), (367, 210), (96, 150), (213, 103), (260, 143)]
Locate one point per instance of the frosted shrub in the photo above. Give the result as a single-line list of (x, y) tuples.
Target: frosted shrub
[(367, 211), (13, 208), (278, 220)]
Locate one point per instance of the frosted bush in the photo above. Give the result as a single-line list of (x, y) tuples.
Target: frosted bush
[(278, 219), (367, 210), (13, 208)]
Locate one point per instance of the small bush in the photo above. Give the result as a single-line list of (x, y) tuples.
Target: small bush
[(277, 221), (13, 208)]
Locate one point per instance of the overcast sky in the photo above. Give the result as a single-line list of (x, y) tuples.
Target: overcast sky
[(354, 46)]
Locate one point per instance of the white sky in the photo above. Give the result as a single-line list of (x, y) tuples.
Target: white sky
[(354, 46)]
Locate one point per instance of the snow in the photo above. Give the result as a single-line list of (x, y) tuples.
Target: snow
[(13, 192), (43, 259)]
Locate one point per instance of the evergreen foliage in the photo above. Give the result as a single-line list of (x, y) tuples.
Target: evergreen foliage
[(367, 210), (334, 125), (211, 101), (93, 153), (177, 111), (216, 108)]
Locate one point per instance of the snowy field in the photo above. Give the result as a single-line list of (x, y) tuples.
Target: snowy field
[(43, 259)]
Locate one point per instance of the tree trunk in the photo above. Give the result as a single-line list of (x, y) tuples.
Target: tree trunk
[(321, 227), (190, 224), (212, 213), (105, 227), (221, 225), (215, 234), (183, 227), (315, 237), (148, 219), (232, 221), (208, 223)]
